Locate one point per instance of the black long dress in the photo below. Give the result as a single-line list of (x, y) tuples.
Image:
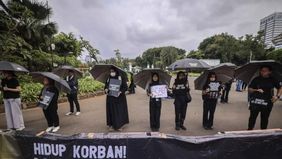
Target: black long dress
[(116, 107)]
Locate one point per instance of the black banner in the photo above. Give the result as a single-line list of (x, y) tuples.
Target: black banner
[(24, 145)]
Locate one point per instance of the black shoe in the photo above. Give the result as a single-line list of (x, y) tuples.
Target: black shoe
[(183, 127), (177, 128)]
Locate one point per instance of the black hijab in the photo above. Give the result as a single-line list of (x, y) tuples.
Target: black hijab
[(180, 81), (155, 82)]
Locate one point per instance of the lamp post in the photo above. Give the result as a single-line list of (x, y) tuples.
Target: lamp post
[(53, 46)]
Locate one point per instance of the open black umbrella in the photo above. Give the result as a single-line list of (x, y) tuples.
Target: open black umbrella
[(250, 70), (60, 83), (10, 66), (63, 71), (224, 73), (144, 77), (101, 72), (190, 64)]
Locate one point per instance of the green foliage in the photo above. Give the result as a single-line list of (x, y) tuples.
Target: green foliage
[(195, 54), (89, 85), (227, 48), (275, 55), (31, 90), (160, 57)]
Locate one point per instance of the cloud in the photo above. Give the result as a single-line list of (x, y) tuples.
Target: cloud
[(134, 26)]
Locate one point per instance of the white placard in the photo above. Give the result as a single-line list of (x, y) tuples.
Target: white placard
[(159, 91)]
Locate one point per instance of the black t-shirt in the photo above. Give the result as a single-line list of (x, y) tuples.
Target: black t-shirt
[(10, 83), (214, 90), (266, 84)]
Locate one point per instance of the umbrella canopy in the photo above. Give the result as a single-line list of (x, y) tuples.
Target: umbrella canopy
[(101, 72), (191, 64), (223, 72), (250, 70), (10, 66), (61, 84), (64, 70), (144, 77)]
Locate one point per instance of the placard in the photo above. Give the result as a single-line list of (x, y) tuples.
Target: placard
[(159, 91), (47, 98), (114, 87)]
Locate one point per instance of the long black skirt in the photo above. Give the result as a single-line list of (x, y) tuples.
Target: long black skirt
[(117, 112)]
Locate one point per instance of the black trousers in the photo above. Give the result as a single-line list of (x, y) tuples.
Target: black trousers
[(264, 115), (72, 98), (155, 113), (225, 94), (209, 106), (180, 106), (51, 116)]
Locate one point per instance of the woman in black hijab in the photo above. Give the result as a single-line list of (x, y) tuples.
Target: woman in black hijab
[(155, 104), (116, 104), (180, 90)]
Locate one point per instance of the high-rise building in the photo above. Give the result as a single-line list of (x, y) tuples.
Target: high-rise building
[(271, 27)]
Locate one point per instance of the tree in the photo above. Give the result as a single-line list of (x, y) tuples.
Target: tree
[(275, 55), (195, 54), (160, 57)]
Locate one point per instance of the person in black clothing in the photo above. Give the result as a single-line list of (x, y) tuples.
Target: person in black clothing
[(225, 92), (50, 112), (116, 106), (262, 97), (12, 101), (210, 94), (72, 96), (180, 89), (132, 85), (155, 104)]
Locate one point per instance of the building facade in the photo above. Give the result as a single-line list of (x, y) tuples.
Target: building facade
[(271, 27)]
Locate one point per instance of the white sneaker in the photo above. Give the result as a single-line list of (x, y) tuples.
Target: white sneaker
[(20, 129), (49, 129), (69, 113), (56, 129), (77, 113)]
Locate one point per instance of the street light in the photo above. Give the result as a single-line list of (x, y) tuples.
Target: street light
[(53, 46)]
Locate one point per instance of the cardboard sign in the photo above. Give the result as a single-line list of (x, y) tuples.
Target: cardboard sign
[(159, 91), (47, 98), (114, 87)]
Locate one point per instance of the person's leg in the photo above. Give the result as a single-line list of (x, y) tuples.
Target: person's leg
[(222, 99), (265, 113), (252, 119), (8, 113), (177, 114), (17, 116), (183, 113), (158, 114), (212, 107), (227, 95), (76, 102), (71, 101), (47, 115), (55, 117), (152, 119), (205, 113)]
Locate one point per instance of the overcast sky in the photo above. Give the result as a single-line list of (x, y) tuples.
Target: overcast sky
[(135, 25)]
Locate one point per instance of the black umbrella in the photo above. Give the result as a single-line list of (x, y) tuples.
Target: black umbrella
[(101, 72), (144, 77), (64, 70), (190, 64), (60, 83), (250, 70), (224, 73), (10, 66)]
